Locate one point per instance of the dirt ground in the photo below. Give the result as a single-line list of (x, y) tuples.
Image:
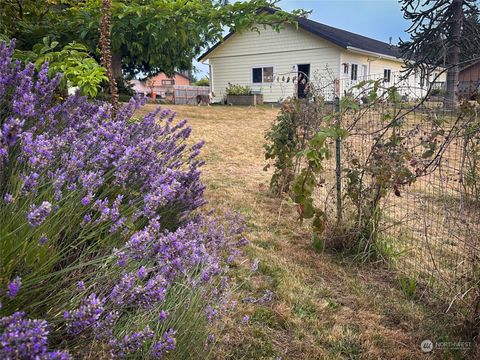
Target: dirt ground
[(324, 306)]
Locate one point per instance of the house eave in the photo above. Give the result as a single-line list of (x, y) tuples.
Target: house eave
[(371, 53), (206, 54)]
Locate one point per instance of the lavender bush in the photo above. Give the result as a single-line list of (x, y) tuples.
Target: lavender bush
[(101, 248)]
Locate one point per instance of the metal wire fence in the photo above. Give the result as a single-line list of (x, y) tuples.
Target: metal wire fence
[(431, 226)]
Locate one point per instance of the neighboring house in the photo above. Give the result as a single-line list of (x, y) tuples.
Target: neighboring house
[(268, 61), (139, 87), (469, 80), (160, 84)]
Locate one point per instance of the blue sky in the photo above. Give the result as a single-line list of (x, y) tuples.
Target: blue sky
[(378, 19)]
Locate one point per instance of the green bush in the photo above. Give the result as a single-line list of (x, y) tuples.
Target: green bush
[(438, 92), (236, 89)]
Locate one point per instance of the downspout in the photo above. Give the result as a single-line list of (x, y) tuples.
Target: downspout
[(211, 77)]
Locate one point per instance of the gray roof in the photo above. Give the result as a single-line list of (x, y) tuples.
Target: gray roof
[(347, 39), (339, 37)]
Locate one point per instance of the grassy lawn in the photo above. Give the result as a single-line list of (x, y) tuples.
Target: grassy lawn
[(324, 306)]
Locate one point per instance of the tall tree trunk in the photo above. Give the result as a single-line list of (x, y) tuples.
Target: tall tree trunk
[(106, 51), (453, 54), (117, 64)]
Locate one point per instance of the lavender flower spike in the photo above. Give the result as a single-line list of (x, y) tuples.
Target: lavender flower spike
[(37, 215), (14, 287)]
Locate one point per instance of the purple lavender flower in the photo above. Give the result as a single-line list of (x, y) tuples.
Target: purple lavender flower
[(267, 296), (210, 313), (8, 198), (243, 242), (130, 343), (43, 239), (86, 200), (245, 319), (87, 218), (122, 258), (14, 287), (210, 338), (162, 316), (30, 182), (23, 338), (74, 148), (81, 285), (86, 316), (142, 272), (165, 345), (102, 207), (37, 215)]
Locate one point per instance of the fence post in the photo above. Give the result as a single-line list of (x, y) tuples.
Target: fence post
[(338, 160)]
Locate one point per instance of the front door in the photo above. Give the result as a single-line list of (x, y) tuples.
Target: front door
[(303, 78)]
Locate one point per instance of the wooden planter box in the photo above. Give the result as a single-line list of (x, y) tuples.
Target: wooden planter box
[(256, 99)]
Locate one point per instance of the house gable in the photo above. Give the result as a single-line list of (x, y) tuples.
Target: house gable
[(269, 41)]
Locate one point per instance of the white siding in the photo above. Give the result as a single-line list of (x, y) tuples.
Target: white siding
[(376, 65), (232, 62)]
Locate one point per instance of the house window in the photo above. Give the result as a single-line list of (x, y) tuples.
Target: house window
[(365, 72), (387, 75), (262, 74), (168, 82), (345, 68), (354, 73)]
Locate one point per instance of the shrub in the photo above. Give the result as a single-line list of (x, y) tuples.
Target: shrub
[(235, 89), (101, 250), (295, 125), (202, 82), (438, 92)]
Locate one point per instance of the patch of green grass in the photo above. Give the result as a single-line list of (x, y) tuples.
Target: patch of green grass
[(266, 245), (275, 273), (266, 316), (333, 304), (306, 310), (408, 285), (347, 346), (258, 346)]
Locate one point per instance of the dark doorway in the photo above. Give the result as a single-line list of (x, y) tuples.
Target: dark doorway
[(303, 77)]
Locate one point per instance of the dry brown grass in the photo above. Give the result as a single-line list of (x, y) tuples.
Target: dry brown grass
[(324, 307)]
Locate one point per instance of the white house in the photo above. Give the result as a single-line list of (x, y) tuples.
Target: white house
[(272, 62)]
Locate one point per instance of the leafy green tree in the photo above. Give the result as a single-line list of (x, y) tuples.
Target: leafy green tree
[(29, 21), (439, 30), (148, 36), (40, 30), (77, 67)]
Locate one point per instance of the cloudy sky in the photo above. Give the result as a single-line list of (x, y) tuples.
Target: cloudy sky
[(378, 19)]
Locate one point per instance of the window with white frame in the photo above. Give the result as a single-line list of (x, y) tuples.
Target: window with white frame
[(354, 72), (262, 74), (365, 72), (387, 75)]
